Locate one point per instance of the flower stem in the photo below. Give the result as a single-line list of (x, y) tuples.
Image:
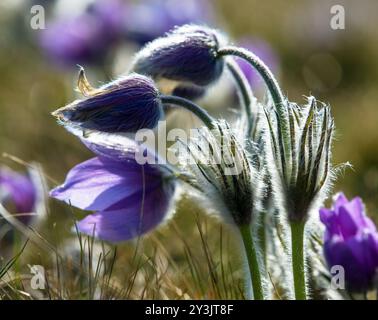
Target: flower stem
[(244, 90), (273, 87), (262, 69), (201, 113), (253, 262), (298, 259)]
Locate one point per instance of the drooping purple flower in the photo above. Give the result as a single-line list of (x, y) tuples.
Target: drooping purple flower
[(17, 193), (86, 37), (129, 198), (351, 241), (265, 52), (150, 19), (124, 105), (187, 55)]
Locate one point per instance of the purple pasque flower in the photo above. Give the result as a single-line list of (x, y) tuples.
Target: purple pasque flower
[(18, 193), (86, 37), (149, 19), (351, 240), (185, 56), (127, 104), (129, 198), (264, 51)]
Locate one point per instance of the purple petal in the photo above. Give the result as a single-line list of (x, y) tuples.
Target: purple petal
[(340, 200), (98, 183), (326, 215), (352, 218), (141, 213), (330, 220), (119, 147), (349, 257), (348, 224)]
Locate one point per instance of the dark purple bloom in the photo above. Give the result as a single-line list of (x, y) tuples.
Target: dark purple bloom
[(149, 19), (351, 240), (17, 193), (124, 105), (188, 54), (129, 199), (265, 52), (86, 37)]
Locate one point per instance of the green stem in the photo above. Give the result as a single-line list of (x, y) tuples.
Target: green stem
[(190, 106), (253, 262), (298, 259), (244, 90), (262, 69), (273, 87)]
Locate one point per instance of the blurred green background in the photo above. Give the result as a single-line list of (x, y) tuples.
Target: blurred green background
[(337, 66)]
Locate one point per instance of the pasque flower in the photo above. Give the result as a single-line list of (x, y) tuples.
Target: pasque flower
[(351, 241), (18, 193), (124, 105), (187, 55), (129, 198)]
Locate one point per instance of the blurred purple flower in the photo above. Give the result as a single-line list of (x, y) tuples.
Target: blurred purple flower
[(86, 37), (130, 199), (351, 240), (150, 19), (124, 105), (265, 52), (17, 193)]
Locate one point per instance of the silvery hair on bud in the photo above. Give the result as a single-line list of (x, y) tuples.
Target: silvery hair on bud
[(302, 177), (227, 179), (187, 55)]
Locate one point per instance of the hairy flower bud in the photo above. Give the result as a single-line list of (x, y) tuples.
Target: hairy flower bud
[(187, 55), (305, 170), (124, 105), (224, 174)]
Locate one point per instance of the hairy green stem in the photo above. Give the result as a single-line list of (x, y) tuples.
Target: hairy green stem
[(244, 91), (262, 69), (253, 262), (201, 113), (298, 259), (273, 87)]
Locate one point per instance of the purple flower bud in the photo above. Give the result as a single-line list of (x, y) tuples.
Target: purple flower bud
[(187, 55), (17, 193), (124, 105), (129, 199), (351, 241)]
